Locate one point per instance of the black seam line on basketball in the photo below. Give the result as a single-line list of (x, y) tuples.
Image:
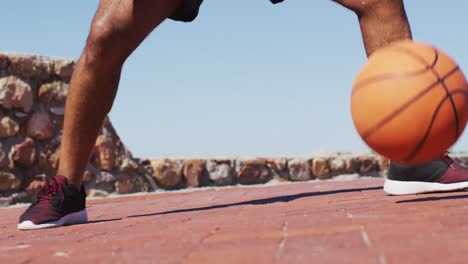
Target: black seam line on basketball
[(421, 143), (418, 57), (386, 76), (436, 59), (454, 107), (452, 102), (392, 115)]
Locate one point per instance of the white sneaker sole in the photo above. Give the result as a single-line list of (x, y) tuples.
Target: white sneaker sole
[(413, 187), (79, 217)]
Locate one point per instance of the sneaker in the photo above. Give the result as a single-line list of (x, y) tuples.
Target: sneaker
[(58, 204), (441, 175)]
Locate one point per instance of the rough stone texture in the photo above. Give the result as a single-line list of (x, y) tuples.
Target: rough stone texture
[(96, 193), (4, 61), (15, 93), (5, 201), (278, 167), (124, 184), (40, 126), (104, 155), (8, 182), (3, 157), (8, 127), (24, 154), (102, 180), (55, 92), (220, 172), (253, 171), (337, 165), (129, 165), (88, 176), (193, 172), (37, 67), (57, 111), (167, 172), (54, 159), (383, 165), (320, 168), (369, 166), (353, 165), (64, 69), (300, 170), (36, 185), (106, 177)]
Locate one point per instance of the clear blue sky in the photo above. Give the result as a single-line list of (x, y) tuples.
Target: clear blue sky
[(246, 78)]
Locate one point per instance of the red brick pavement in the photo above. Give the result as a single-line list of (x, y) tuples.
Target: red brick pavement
[(313, 222)]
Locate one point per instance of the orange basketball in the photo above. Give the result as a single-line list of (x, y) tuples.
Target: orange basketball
[(409, 102)]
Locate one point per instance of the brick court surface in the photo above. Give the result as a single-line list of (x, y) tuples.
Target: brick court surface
[(310, 222)]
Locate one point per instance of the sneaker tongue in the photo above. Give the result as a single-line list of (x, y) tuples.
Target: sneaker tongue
[(51, 187)]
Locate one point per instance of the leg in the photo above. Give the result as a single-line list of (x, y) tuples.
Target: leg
[(117, 29), (382, 22)]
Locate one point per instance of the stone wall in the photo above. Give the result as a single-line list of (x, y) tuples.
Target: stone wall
[(33, 90), (189, 173)]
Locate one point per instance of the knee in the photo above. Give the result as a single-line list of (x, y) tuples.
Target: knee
[(106, 42)]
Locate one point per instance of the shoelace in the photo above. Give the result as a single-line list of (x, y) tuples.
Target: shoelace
[(448, 159), (50, 189)]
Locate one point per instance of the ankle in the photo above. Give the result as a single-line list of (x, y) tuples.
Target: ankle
[(76, 184), (383, 23), (71, 180)]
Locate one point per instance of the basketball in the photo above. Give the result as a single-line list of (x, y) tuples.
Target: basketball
[(409, 102)]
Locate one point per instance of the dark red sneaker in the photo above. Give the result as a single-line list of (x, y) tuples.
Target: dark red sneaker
[(441, 175), (58, 204)]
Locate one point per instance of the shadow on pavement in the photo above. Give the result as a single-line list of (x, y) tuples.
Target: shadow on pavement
[(103, 221), (278, 199)]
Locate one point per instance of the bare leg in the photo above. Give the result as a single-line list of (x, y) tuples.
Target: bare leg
[(117, 30), (381, 21)]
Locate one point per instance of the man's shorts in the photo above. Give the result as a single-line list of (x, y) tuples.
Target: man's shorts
[(187, 11)]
